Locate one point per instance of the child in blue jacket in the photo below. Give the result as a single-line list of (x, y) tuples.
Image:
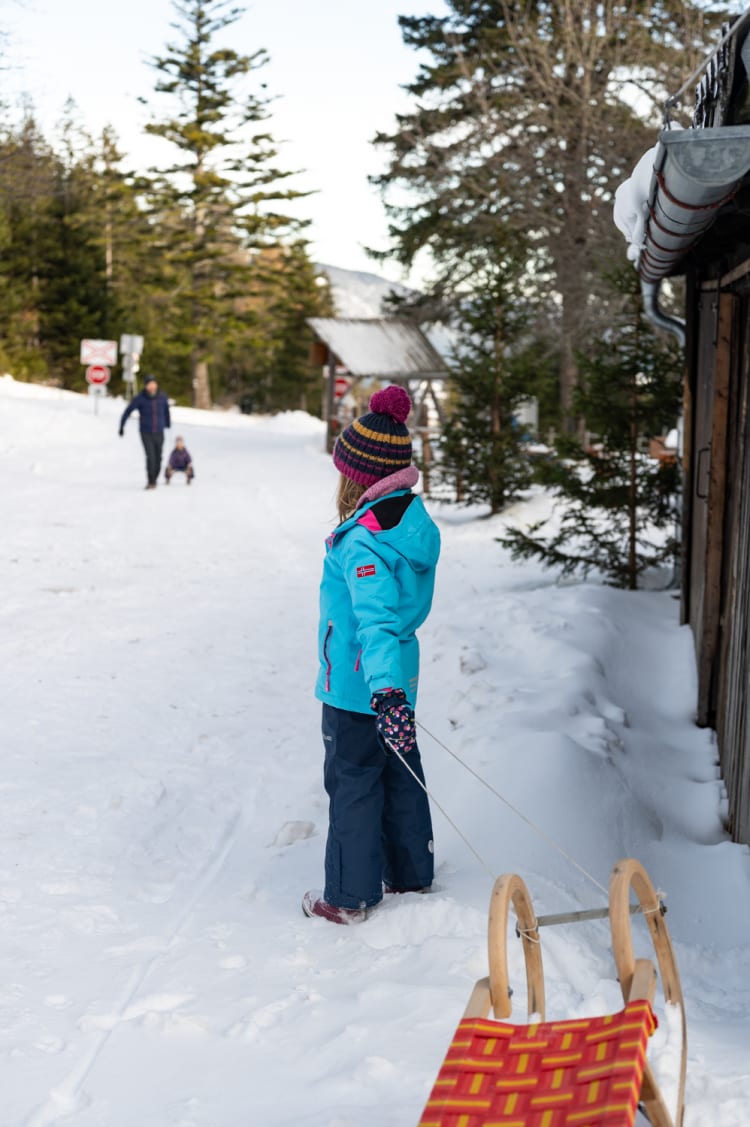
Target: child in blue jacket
[(376, 591)]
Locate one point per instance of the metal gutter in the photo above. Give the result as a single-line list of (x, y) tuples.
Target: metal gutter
[(696, 172)]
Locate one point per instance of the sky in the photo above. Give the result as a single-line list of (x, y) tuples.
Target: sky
[(163, 809), (335, 72)]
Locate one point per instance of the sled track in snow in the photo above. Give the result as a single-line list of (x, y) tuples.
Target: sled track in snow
[(66, 1098)]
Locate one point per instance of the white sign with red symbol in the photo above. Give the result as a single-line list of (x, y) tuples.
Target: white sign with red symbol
[(340, 387), (97, 352), (97, 375)]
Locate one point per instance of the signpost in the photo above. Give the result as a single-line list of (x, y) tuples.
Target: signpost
[(98, 375), (131, 347), (98, 355), (340, 387), (99, 352)]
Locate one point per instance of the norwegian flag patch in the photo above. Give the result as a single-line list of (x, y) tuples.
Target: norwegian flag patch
[(365, 570)]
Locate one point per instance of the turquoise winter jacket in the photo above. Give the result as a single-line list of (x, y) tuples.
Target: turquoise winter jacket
[(376, 591)]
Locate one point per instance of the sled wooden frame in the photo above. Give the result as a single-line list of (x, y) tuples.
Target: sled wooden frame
[(637, 977)]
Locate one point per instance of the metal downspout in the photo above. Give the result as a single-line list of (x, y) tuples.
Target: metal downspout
[(674, 325)]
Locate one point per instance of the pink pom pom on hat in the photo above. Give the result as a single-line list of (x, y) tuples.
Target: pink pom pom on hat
[(393, 401), (376, 444)]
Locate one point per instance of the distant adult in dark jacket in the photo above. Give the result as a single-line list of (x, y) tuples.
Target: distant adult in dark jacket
[(153, 407), (179, 461)]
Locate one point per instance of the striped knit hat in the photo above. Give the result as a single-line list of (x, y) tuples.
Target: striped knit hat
[(377, 444)]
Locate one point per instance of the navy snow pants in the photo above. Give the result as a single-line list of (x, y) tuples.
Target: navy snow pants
[(379, 825), (153, 444)]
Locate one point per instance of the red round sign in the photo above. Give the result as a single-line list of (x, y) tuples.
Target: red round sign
[(340, 386), (97, 374)]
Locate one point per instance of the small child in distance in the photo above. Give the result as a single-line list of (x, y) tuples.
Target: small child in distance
[(179, 461)]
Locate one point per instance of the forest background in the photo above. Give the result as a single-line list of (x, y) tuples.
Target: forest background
[(522, 119)]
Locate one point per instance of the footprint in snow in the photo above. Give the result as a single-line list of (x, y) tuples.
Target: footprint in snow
[(148, 1010), (265, 1017), (50, 1044), (57, 1001), (233, 962), (293, 831)]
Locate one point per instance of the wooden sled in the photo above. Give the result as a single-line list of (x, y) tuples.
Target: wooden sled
[(583, 1073)]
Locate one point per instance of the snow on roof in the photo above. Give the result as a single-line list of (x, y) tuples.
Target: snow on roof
[(676, 192), (631, 204), (385, 348)]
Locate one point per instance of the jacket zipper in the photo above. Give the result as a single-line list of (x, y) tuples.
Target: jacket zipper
[(326, 658)]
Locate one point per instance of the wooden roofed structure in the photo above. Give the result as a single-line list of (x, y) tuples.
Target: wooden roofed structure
[(382, 349)]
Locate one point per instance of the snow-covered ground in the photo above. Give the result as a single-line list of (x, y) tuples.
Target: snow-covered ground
[(163, 811)]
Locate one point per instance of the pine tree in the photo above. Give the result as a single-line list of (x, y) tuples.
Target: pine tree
[(123, 234), (524, 111), (139, 284), (480, 450), (295, 293), (77, 257), (269, 366), (73, 291), (28, 184), (219, 198), (617, 506)]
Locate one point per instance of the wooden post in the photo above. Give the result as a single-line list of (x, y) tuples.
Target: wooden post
[(426, 459), (330, 401)]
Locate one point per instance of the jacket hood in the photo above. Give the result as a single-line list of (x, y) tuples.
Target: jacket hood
[(415, 536)]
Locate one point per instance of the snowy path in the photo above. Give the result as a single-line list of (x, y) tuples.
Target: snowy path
[(163, 809)]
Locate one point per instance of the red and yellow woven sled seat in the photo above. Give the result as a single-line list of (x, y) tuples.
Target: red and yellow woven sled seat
[(588, 1072), (548, 1074)]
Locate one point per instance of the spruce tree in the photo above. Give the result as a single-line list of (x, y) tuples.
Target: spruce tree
[(139, 285), (617, 508), (527, 109), (269, 366), (28, 185), (218, 199), (480, 449), (294, 292), (123, 235), (73, 291)]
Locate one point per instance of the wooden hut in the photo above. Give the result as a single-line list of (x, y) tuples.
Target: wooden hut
[(382, 350), (698, 225)]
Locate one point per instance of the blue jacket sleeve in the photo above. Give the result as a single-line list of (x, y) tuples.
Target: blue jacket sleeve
[(374, 596), (167, 420), (128, 411)]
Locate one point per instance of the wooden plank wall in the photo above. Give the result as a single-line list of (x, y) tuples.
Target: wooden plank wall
[(709, 444), (733, 665), (716, 600)]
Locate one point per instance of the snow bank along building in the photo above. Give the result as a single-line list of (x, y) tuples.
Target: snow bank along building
[(686, 211)]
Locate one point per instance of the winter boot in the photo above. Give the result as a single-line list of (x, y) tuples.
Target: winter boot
[(313, 904)]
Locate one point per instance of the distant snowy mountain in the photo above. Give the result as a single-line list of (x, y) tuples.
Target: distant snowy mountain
[(359, 294)]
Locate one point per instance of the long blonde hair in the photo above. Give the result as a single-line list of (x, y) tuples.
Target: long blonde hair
[(349, 493)]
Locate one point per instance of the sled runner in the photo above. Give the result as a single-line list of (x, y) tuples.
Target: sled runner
[(589, 1072)]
